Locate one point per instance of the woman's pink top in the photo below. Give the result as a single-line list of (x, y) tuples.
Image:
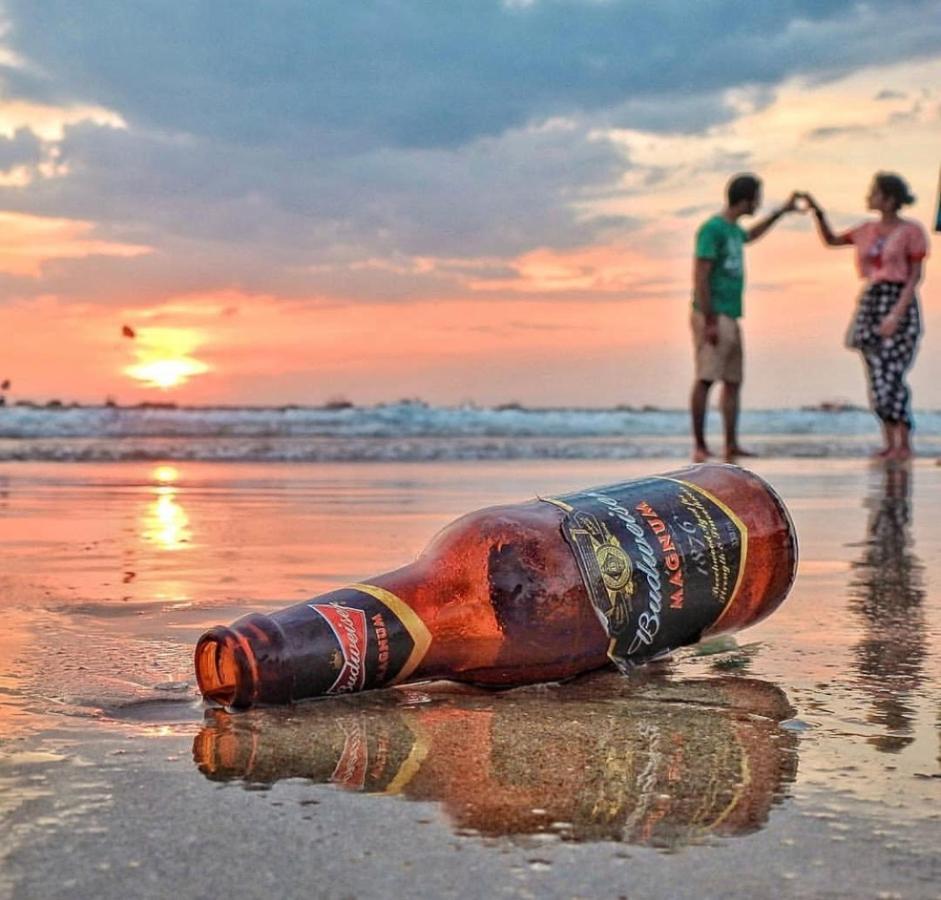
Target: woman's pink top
[(882, 256)]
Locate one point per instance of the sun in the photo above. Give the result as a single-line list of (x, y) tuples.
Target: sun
[(167, 373), (164, 357)]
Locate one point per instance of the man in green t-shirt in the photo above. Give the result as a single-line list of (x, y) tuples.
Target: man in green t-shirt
[(719, 276)]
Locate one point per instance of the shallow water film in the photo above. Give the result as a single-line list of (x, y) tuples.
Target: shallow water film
[(800, 759)]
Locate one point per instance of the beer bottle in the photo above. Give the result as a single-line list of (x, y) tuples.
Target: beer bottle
[(535, 591)]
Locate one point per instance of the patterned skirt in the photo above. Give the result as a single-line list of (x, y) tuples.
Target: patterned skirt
[(887, 359)]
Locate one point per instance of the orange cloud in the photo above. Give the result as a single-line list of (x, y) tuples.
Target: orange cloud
[(49, 122), (26, 242), (601, 269)]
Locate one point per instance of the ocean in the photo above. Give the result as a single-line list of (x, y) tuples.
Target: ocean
[(416, 431)]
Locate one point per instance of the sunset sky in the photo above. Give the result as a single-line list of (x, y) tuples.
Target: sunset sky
[(288, 202)]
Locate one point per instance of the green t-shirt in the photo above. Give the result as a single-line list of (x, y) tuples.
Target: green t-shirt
[(723, 242)]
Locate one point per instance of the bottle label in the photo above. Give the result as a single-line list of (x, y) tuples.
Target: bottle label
[(379, 639), (662, 560)]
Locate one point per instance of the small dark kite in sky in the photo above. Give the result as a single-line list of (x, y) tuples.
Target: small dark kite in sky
[(128, 332)]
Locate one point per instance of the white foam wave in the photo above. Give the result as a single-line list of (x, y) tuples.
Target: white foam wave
[(416, 431)]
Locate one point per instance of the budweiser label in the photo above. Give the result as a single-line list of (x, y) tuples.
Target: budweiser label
[(349, 629), (378, 640), (661, 559)]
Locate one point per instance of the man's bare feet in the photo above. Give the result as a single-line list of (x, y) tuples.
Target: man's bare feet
[(734, 453), (701, 454), (884, 453)]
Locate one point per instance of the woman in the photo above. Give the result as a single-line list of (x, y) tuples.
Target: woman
[(887, 324)]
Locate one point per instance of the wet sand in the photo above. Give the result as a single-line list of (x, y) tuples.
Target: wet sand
[(803, 762)]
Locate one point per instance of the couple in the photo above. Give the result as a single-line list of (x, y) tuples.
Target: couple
[(889, 254)]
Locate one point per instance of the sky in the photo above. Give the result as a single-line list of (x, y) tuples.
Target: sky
[(482, 201)]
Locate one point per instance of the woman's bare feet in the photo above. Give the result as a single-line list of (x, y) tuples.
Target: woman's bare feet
[(884, 453), (701, 454), (899, 455)]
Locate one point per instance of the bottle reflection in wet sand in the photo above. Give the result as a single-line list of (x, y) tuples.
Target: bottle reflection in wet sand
[(887, 591), (662, 766)]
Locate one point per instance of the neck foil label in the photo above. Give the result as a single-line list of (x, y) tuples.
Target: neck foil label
[(378, 640), (662, 560)]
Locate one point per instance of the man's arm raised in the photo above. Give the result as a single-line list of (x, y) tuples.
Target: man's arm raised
[(759, 228)]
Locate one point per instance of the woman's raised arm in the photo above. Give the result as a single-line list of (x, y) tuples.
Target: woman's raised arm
[(823, 226)]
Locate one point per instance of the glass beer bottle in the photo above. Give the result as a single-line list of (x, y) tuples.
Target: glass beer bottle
[(529, 592)]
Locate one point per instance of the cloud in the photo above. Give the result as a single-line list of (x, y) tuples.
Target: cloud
[(27, 241), (826, 132), (23, 148), (722, 160), (696, 209), (418, 73), (272, 218), (903, 116), (283, 146)]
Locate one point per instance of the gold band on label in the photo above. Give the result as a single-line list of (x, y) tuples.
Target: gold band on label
[(742, 530), (559, 503), (421, 636)]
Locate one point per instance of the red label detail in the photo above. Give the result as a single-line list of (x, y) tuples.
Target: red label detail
[(349, 627), (671, 558)]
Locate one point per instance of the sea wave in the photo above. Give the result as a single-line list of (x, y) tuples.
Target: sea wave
[(417, 431)]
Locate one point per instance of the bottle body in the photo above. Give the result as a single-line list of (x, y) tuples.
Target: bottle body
[(529, 592)]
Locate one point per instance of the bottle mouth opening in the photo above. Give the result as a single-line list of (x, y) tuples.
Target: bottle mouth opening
[(217, 668)]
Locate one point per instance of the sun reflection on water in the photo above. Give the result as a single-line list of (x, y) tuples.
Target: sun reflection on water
[(165, 521)]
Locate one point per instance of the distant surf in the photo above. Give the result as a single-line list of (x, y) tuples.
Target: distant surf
[(412, 430)]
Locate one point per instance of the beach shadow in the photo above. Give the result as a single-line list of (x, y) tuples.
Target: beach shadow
[(887, 592), (664, 763)]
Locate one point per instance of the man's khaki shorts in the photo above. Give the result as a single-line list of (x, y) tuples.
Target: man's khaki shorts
[(721, 361)]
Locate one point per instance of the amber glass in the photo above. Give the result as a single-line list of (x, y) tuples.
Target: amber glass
[(502, 596)]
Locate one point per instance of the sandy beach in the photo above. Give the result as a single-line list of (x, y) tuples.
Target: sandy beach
[(804, 760), (287, 288)]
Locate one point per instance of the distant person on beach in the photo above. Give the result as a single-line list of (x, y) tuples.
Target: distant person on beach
[(718, 281), (886, 326)]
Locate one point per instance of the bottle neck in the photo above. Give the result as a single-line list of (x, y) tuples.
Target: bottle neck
[(360, 637), (245, 664)]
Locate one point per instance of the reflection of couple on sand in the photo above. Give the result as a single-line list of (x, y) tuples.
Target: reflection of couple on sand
[(887, 592), (885, 328)]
